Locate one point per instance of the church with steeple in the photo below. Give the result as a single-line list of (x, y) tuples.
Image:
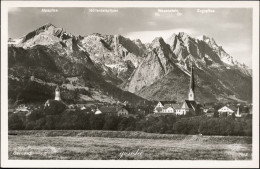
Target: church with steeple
[(187, 106), (190, 105), (57, 99)]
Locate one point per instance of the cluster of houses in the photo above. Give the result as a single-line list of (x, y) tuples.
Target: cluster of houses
[(161, 108), (110, 110), (191, 106), (229, 110), (21, 108), (171, 107)]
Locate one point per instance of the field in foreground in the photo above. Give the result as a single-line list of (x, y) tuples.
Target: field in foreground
[(106, 145)]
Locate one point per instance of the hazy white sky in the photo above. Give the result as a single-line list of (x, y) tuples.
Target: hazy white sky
[(231, 28)]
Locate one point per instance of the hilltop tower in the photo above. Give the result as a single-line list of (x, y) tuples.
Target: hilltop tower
[(57, 93), (192, 85)]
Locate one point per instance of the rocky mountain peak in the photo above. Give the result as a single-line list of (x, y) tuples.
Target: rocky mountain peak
[(183, 35), (158, 42), (208, 40), (44, 35), (96, 34), (136, 67), (48, 24), (171, 39), (203, 38), (173, 35), (138, 41)]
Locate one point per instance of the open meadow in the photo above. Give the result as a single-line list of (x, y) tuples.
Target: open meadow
[(108, 145)]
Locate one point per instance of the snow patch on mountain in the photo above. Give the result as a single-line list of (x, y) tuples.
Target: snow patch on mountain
[(118, 67)]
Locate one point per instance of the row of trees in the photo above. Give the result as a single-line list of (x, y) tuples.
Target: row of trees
[(44, 119)]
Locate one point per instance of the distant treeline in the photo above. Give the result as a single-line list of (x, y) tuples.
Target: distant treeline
[(68, 119)]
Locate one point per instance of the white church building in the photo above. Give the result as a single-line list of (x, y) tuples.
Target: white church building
[(189, 105)]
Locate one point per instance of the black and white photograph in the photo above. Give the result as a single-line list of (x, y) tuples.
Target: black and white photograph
[(116, 82)]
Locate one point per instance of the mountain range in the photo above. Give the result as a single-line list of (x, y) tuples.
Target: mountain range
[(112, 68)]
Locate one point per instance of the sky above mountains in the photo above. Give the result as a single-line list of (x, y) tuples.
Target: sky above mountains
[(231, 28)]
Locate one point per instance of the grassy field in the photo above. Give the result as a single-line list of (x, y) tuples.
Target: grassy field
[(107, 145)]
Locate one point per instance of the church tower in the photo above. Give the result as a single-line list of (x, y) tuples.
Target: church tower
[(192, 83), (57, 93)]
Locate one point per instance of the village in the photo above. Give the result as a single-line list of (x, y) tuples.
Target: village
[(188, 107)]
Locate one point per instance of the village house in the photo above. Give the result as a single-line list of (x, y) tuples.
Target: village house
[(97, 112), (164, 105), (112, 110), (125, 103), (86, 107), (71, 106), (168, 108), (23, 109), (228, 111), (178, 109), (122, 111)]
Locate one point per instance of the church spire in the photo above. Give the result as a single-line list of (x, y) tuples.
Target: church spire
[(192, 79), (192, 85)]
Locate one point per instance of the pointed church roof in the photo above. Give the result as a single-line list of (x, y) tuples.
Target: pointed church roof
[(57, 88), (191, 104)]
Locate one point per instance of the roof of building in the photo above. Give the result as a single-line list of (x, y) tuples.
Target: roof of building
[(98, 112), (57, 88), (225, 109), (176, 106), (167, 102), (166, 106), (191, 104)]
